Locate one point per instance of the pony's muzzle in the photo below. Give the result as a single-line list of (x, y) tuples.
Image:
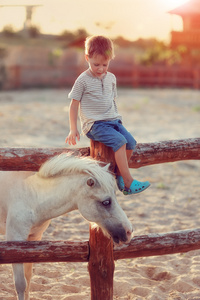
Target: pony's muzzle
[(121, 234)]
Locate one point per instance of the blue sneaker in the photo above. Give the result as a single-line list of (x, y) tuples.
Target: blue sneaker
[(136, 187), (120, 182)]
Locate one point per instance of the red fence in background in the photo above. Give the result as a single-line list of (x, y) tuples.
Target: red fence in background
[(137, 76), (159, 76)]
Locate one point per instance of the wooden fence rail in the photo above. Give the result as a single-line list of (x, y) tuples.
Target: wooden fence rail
[(62, 251), (98, 252), (30, 159)]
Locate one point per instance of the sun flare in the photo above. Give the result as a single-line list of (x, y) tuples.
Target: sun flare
[(171, 4)]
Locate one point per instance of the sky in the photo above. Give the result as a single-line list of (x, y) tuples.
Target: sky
[(131, 19)]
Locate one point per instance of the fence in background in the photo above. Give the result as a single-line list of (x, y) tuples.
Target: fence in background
[(18, 77)]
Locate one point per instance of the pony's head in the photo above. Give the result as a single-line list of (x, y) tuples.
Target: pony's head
[(92, 191)]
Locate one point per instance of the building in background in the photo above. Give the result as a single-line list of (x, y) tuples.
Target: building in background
[(190, 36)]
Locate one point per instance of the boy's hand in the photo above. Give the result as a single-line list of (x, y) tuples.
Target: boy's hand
[(71, 138)]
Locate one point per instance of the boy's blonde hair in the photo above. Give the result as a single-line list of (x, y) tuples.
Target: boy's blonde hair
[(99, 45)]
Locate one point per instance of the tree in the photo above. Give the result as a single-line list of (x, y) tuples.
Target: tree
[(8, 31)]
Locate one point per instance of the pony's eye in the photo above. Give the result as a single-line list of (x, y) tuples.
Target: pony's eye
[(107, 202)]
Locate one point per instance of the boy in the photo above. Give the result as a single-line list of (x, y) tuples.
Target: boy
[(95, 92)]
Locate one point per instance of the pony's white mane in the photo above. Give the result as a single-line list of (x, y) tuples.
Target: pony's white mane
[(65, 164)]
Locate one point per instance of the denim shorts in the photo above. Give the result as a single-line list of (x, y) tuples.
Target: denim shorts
[(112, 134)]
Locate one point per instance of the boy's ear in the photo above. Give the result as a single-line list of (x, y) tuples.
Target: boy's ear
[(86, 57)]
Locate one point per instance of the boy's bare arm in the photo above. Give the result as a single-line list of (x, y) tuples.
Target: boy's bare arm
[(73, 116)]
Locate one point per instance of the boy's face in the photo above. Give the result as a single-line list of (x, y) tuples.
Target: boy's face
[(98, 64)]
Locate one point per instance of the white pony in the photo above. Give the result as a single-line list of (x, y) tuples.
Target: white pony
[(30, 200)]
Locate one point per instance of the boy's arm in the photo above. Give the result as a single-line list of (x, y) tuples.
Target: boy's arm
[(73, 116)]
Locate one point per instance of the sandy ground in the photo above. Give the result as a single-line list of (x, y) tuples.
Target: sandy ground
[(38, 118)]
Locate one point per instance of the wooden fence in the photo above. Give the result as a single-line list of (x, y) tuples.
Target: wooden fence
[(98, 251), (162, 77), (18, 77)]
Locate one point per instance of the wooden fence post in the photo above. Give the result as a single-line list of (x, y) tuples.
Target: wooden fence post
[(101, 261)]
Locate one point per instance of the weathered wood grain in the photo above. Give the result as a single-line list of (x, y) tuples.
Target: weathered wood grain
[(160, 244), (101, 265), (43, 251), (101, 262), (165, 151), (30, 159), (64, 251)]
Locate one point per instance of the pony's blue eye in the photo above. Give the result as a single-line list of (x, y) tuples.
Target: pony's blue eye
[(107, 202)]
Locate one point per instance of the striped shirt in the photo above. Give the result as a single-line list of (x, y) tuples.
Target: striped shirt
[(97, 98)]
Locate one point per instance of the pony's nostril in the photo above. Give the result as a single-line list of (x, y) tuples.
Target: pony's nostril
[(129, 234)]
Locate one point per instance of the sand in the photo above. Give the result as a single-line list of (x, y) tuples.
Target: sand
[(38, 118)]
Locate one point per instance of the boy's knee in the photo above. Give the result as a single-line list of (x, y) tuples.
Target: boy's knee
[(131, 144), (119, 146)]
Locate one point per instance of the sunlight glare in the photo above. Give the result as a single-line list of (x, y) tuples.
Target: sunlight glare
[(171, 4)]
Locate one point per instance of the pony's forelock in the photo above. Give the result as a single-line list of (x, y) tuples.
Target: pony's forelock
[(65, 164)]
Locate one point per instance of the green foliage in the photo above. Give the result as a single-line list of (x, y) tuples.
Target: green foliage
[(122, 42), (69, 36), (160, 54), (8, 31), (150, 52), (54, 55), (145, 52), (33, 31)]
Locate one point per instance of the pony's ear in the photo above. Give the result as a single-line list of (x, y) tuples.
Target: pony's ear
[(106, 167), (91, 182)]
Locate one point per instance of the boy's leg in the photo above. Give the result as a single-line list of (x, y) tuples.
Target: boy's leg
[(107, 133), (131, 186), (122, 157), (119, 178), (129, 154)]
